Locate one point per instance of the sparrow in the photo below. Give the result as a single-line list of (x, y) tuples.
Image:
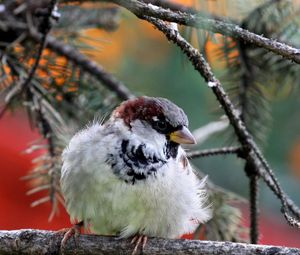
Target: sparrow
[(130, 176)]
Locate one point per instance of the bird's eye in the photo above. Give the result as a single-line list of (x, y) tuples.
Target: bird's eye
[(160, 125)]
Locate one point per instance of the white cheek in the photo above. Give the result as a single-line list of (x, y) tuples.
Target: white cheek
[(143, 132)]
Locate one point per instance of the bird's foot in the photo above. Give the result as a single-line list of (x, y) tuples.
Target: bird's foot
[(138, 240), (74, 231)]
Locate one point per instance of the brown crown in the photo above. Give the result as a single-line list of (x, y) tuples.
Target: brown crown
[(142, 108)]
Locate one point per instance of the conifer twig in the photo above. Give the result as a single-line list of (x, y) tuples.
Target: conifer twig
[(252, 153), (253, 177), (141, 9), (87, 65), (23, 85), (214, 152)]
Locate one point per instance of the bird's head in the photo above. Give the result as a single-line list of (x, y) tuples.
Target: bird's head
[(150, 115)]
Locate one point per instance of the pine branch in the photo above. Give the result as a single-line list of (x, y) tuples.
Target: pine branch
[(254, 211), (45, 29), (253, 177), (253, 154), (166, 4), (141, 9), (172, 6), (86, 64), (72, 54), (214, 152), (24, 84), (251, 88), (31, 241)]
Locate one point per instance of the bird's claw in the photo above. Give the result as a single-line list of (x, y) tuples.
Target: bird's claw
[(75, 231), (138, 240)]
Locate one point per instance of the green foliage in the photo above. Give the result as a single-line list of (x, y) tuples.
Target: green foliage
[(256, 76)]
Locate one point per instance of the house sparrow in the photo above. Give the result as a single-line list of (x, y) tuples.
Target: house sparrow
[(130, 176)]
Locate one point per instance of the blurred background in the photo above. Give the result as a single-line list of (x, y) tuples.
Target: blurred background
[(141, 57)]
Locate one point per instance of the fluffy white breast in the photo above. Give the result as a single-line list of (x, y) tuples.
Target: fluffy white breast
[(167, 204)]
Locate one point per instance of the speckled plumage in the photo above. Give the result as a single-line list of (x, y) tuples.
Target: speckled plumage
[(119, 178)]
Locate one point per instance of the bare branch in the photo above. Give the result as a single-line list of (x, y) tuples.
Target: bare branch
[(141, 9), (253, 177), (48, 242), (214, 152)]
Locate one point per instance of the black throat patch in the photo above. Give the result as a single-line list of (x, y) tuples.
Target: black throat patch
[(132, 164), (171, 149)]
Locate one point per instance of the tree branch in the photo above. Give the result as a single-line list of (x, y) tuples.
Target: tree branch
[(172, 6), (252, 154), (48, 242), (72, 54), (24, 84), (141, 9), (86, 64), (215, 152)]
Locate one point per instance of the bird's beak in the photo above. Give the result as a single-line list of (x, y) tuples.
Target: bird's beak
[(182, 136)]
